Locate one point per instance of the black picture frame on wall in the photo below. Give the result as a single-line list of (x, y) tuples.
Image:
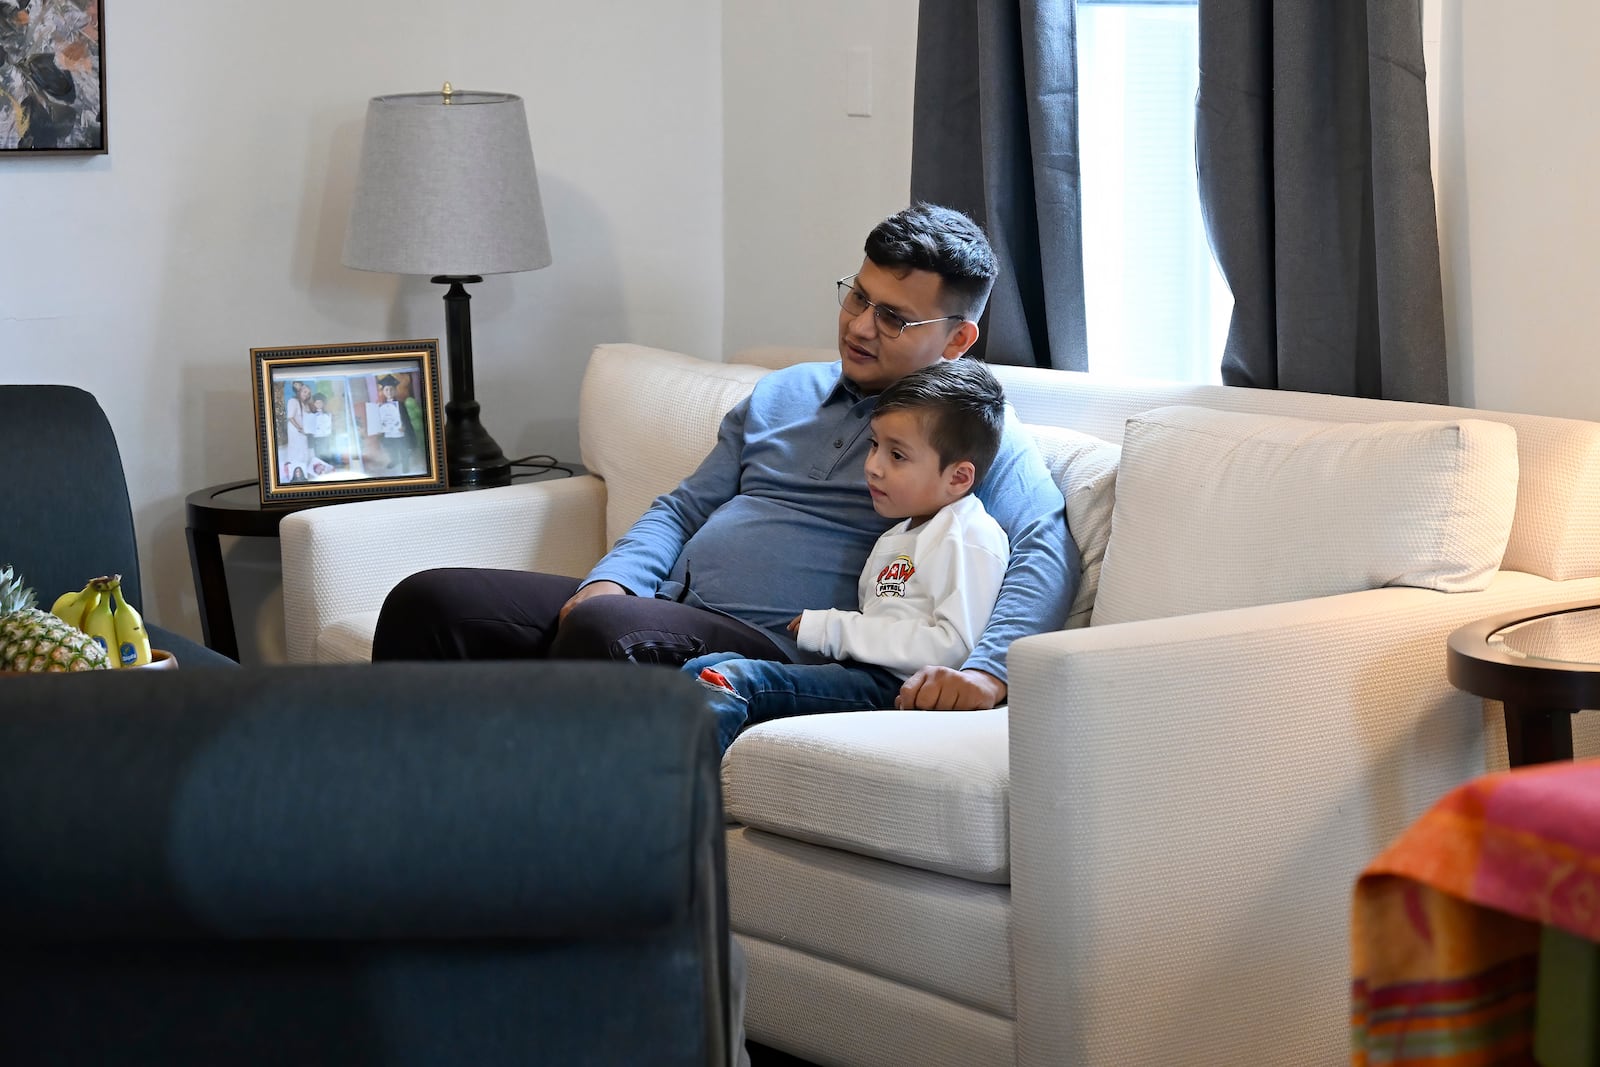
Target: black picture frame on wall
[(52, 77), (342, 422)]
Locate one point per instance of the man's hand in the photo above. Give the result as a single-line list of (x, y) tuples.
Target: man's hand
[(593, 589), (946, 689), (794, 623)]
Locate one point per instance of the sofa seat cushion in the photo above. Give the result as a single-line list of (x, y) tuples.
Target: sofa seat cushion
[(1219, 510), (925, 789)]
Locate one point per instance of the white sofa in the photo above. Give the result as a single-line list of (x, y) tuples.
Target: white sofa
[(1145, 859)]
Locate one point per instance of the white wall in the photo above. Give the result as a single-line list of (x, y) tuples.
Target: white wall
[(1518, 155), (1516, 165), (216, 222), (805, 181), (692, 155)]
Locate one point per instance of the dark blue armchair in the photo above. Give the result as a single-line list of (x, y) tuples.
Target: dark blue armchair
[(408, 865)]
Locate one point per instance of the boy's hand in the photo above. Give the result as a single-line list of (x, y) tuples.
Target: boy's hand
[(947, 689), (794, 624)]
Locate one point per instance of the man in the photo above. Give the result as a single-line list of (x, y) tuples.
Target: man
[(778, 518)]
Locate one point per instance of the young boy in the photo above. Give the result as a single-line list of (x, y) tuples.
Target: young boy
[(929, 583), (391, 424), (319, 428)]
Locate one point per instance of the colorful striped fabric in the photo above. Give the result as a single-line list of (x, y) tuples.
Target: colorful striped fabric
[(1446, 922)]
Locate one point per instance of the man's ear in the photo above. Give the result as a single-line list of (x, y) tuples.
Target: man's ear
[(961, 338)]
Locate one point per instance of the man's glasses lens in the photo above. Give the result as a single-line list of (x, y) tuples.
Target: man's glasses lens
[(855, 302)]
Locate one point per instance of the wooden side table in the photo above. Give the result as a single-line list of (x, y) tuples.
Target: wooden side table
[(235, 508), (1544, 666), (232, 508)]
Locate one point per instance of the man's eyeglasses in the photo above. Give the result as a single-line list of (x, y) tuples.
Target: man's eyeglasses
[(890, 324)]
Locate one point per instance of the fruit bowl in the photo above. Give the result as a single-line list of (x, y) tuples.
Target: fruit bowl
[(160, 660), (91, 629)]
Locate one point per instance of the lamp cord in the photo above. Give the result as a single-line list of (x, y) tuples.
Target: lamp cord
[(540, 463)]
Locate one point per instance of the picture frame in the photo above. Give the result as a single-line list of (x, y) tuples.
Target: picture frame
[(53, 79), (347, 421)]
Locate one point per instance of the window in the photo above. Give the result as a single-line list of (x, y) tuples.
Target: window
[(1157, 306)]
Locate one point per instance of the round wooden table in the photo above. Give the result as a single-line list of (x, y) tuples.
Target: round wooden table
[(1543, 665)]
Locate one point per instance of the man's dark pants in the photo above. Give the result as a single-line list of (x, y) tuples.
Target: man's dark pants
[(472, 613)]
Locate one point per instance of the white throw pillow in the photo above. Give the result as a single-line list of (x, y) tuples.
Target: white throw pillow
[(1085, 470), (1222, 510)]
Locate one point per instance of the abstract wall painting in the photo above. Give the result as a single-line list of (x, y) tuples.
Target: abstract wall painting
[(52, 76)]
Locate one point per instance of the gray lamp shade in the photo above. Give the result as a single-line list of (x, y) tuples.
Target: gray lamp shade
[(447, 185)]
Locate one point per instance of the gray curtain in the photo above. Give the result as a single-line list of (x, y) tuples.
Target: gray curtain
[(995, 134), (1311, 138)]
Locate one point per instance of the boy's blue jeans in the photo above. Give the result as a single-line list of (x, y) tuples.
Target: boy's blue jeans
[(768, 689)]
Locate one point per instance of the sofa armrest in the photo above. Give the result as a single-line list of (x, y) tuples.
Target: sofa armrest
[(343, 559), (1192, 799)]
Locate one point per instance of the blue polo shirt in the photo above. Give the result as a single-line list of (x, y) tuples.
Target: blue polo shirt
[(778, 519)]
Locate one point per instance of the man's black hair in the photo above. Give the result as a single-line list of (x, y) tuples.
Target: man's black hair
[(942, 240)]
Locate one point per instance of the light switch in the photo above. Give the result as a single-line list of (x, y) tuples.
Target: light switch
[(858, 81)]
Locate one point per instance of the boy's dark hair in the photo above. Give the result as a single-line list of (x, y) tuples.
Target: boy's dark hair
[(944, 241), (963, 409), (319, 396)]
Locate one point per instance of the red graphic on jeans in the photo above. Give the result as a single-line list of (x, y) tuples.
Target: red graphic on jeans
[(893, 578)]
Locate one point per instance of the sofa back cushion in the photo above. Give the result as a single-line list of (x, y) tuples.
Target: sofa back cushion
[(1085, 470), (776, 357), (1221, 510), (1556, 533), (647, 417)]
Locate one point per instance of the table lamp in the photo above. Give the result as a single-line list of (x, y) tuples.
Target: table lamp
[(446, 187)]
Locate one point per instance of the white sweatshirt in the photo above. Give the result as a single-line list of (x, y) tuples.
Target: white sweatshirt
[(926, 594)]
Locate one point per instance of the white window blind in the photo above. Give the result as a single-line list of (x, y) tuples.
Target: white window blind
[(1156, 305)]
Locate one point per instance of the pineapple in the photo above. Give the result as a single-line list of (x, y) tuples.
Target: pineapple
[(34, 640)]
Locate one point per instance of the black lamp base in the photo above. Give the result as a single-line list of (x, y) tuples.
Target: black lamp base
[(472, 460)]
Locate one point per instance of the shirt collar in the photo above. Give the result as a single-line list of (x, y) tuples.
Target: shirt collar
[(844, 389)]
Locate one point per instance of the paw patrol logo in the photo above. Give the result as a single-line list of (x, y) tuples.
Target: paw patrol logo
[(893, 578)]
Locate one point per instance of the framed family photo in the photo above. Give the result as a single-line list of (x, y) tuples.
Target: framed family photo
[(52, 77), (346, 421)]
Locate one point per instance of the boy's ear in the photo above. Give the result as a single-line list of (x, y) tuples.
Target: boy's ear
[(960, 476)]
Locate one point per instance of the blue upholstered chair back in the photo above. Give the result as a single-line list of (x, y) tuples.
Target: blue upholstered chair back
[(406, 865), (64, 510), (65, 516)]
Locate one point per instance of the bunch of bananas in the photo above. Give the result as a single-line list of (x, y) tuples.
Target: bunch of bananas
[(99, 610)]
